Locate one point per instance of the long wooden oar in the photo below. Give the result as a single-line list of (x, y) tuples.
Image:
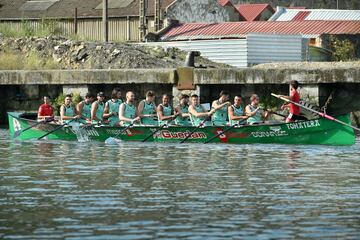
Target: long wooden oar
[(195, 129), (314, 111), (222, 132), (112, 139), (152, 134), (59, 127), (18, 133)]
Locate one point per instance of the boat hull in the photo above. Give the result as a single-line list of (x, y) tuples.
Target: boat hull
[(317, 131)]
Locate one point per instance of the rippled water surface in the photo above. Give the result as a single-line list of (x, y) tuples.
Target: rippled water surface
[(76, 190)]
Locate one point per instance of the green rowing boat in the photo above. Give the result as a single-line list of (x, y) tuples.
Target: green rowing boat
[(316, 131)]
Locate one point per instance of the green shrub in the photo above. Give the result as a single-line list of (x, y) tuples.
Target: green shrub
[(343, 49), (10, 61)]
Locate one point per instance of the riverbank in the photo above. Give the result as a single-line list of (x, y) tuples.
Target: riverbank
[(35, 53)]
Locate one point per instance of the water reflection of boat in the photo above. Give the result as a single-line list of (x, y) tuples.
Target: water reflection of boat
[(316, 131)]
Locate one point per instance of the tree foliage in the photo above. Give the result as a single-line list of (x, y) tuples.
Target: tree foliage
[(343, 49)]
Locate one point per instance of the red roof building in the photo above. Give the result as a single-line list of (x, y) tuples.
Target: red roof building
[(309, 29), (255, 12)]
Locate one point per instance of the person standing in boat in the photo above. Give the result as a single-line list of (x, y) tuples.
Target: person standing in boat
[(97, 108), (46, 111), (255, 114), (111, 110), (147, 109), (165, 111), (183, 119), (127, 110), (294, 111), (220, 116), (236, 112), (84, 108), (198, 113), (68, 110)]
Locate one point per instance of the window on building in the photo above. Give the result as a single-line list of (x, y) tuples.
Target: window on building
[(37, 5), (116, 4)]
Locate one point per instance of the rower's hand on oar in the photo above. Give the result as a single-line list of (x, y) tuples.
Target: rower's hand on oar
[(135, 120), (211, 112), (76, 117)]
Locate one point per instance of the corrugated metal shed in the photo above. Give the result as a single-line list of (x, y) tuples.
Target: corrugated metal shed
[(286, 14), (228, 51), (241, 53), (192, 31), (265, 48)]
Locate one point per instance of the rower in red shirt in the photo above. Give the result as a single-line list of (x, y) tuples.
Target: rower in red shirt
[(294, 111), (45, 111)]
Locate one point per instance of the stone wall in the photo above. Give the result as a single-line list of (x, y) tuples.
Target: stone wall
[(186, 11)]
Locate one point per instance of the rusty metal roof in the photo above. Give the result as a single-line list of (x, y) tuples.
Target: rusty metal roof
[(252, 11), (192, 31)]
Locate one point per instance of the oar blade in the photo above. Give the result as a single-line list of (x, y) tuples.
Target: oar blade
[(112, 141)]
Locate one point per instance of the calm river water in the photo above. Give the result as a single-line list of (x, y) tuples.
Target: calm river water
[(71, 190)]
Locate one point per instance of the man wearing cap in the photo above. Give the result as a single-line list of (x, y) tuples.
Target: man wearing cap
[(97, 108)]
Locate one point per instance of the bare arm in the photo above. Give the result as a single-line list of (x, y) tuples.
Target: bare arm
[(232, 115), (140, 109), (193, 112), (215, 105), (107, 113), (122, 115), (250, 113), (179, 112), (160, 113), (94, 108)]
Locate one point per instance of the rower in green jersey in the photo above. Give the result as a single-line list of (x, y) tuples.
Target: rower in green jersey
[(84, 108), (165, 111), (127, 110), (67, 110), (198, 113), (236, 112), (111, 110), (147, 109), (97, 109), (183, 109), (253, 111), (220, 116)]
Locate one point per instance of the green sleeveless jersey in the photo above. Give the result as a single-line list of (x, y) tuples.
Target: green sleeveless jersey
[(238, 111), (114, 108), (167, 111), (129, 112), (100, 110), (69, 111), (219, 118), (183, 121), (86, 110), (197, 120), (149, 108), (256, 118)]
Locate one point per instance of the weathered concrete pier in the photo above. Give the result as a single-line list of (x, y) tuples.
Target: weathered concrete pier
[(337, 88)]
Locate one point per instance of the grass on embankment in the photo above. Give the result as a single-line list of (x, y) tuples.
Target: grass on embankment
[(10, 60)]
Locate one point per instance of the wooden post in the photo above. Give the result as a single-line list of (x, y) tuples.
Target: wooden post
[(105, 21), (157, 15), (76, 22), (142, 20), (128, 32)]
